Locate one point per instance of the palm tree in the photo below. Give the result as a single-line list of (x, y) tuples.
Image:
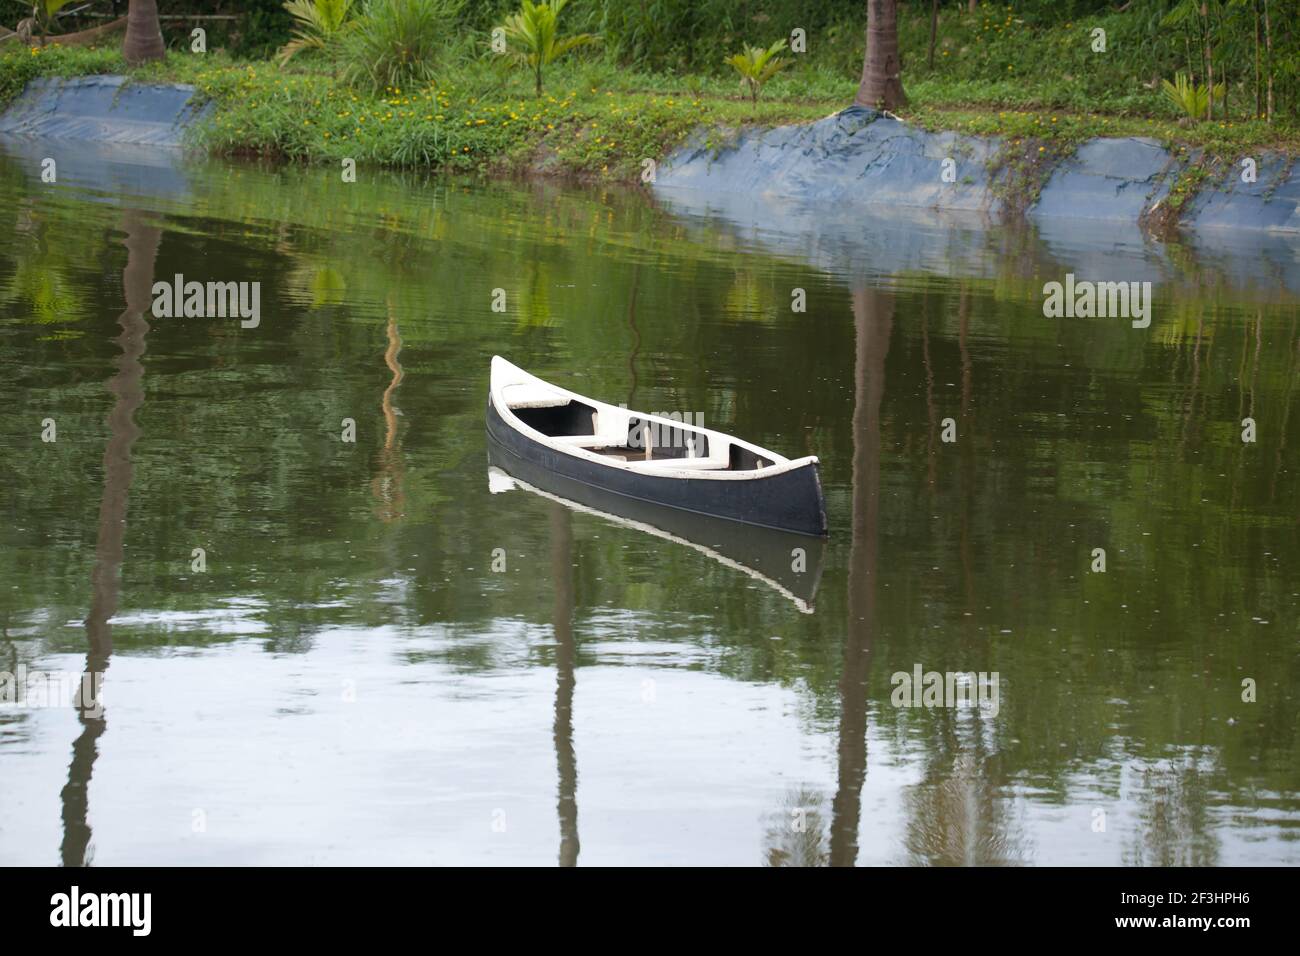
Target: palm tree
[(144, 40), (882, 85), (756, 66), (535, 29)]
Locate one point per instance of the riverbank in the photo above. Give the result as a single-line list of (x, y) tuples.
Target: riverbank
[(860, 159), (471, 123), (601, 125), (592, 121)]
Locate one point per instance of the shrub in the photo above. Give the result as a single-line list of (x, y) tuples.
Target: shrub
[(317, 23), (1188, 98), (756, 66), (397, 43), (535, 34)]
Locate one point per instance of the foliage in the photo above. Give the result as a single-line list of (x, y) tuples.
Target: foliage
[(602, 119), (583, 130), (1026, 54), (317, 24), (20, 65), (45, 11), (264, 29), (535, 32), (756, 66), (599, 122), (1190, 98), (398, 43)]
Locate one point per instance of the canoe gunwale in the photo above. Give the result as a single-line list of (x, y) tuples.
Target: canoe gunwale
[(501, 368)]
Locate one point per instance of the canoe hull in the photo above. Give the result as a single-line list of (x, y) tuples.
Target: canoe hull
[(789, 501)]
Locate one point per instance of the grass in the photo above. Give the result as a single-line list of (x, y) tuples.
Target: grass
[(600, 121), (20, 65), (1069, 128), (475, 119), (579, 129)]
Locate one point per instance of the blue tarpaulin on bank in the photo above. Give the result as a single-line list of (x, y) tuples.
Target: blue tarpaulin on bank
[(102, 109)]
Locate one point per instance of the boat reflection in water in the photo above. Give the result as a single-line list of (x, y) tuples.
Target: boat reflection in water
[(788, 563)]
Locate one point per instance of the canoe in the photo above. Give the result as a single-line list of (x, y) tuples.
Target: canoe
[(790, 564), (651, 458)]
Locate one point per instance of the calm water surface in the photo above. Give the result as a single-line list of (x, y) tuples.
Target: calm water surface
[(349, 680)]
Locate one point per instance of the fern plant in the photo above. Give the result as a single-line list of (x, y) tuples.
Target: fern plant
[(756, 66), (535, 31), (316, 23)]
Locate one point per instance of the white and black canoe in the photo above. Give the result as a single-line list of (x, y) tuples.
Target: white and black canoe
[(651, 458)]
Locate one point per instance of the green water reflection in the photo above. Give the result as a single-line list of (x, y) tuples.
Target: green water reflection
[(349, 679)]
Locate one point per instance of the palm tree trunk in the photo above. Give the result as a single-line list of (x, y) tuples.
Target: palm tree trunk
[(144, 40), (882, 85)]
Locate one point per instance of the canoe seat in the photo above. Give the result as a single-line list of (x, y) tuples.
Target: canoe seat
[(714, 463), (581, 441), (533, 395)]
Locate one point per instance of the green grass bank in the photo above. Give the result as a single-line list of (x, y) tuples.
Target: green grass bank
[(1003, 70)]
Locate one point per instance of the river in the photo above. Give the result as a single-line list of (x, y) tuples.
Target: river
[(323, 651)]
